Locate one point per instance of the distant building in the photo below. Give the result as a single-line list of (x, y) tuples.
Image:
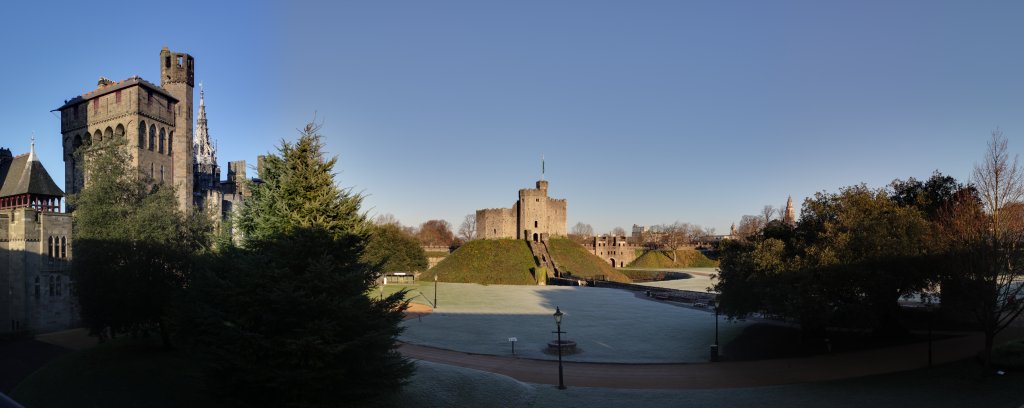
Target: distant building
[(534, 217), (35, 249), (616, 250)]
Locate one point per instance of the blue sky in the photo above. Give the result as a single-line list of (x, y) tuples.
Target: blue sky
[(646, 112)]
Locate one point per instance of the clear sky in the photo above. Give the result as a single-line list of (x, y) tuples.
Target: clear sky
[(646, 112)]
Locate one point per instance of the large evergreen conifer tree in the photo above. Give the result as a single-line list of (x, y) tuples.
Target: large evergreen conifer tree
[(285, 320)]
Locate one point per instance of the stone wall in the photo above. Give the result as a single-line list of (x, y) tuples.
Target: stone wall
[(39, 283), (495, 223)]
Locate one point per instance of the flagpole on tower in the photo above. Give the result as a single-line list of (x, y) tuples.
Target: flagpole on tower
[(542, 167)]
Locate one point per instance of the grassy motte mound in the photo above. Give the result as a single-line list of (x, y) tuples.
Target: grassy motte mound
[(575, 259), (685, 258), (486, 261)]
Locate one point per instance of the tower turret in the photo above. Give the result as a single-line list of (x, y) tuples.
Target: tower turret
[(177, 77)]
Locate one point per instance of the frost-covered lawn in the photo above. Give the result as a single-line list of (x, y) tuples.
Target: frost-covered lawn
[(954, 385), (609, 325)]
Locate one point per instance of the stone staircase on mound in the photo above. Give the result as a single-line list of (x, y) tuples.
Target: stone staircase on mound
[(542, 258)]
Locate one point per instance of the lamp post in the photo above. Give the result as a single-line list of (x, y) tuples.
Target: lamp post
[(435, 290), (558, 325)]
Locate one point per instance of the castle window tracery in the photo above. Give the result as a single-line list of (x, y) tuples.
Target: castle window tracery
[(152, 137)]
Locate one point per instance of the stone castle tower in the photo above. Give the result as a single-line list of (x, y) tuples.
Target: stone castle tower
[(155, 121), (177, 76), (535, 216)]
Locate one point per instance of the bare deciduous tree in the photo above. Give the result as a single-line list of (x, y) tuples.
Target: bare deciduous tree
[(618, 232), (467, 230), (386, 219), (995, 281), (768, 214)]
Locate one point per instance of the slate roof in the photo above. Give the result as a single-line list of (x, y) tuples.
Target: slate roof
[(23, 176), (103, 90)]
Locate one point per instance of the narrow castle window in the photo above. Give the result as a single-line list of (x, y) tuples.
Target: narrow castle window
[(170, 142), (161, 173), (163, 138), (52, 286), (117, 97), (535, 224), (63, 248), (142, 134), (152, 137)]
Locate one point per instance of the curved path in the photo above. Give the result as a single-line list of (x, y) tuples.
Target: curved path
[(709, 375)]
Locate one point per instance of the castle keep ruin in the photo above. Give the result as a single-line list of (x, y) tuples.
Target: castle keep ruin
[(535, 216)]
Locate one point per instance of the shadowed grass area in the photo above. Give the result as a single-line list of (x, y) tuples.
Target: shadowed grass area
[(1009, 355), (486, 261), (120, 373), (953, 385), (574, 258), (685, 258)]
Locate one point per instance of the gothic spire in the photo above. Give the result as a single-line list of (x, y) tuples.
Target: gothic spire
[(204, 151)]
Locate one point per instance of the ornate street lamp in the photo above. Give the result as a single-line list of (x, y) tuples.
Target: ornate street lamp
[(558, 325)]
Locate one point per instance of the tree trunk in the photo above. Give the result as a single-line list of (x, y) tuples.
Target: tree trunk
[(990, 337)]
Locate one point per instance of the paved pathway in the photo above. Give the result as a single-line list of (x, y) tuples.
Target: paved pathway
[(710, 375)]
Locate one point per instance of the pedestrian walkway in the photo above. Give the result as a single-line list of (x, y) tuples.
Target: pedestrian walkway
[(740, 374)]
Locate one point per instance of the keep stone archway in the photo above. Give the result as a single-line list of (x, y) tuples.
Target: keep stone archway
[(613, 262), (535, 237)]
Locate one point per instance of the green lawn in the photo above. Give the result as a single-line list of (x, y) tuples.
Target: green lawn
[(574, 258), (486, 261)]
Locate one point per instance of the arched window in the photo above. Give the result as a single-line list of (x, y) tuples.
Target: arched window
[(97, 136), (170, 142), (108, 133), (50, 249), (76, 143), (152, 137), (142, 134), (63, 247), (163, 139), (119, 132), (161, 173)]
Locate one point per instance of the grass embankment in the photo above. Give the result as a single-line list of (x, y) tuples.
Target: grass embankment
[(120, 373), (573, 258), (486, 261), (685, 258), (654, 276)]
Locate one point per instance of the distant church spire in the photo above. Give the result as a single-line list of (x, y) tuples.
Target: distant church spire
[(790, 217), (204, 151)]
